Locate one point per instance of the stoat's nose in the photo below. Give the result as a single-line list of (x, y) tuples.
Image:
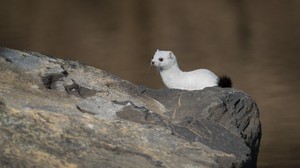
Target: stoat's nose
[(152, 62)]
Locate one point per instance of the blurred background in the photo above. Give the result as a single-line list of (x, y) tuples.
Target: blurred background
[(256, 43)]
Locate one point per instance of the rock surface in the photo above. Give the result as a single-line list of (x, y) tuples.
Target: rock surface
[(59, 113)]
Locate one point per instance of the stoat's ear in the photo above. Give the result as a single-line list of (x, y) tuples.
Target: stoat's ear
[(157, 50), (171, 55)]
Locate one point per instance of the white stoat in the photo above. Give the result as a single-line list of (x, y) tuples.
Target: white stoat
[(174, 78)]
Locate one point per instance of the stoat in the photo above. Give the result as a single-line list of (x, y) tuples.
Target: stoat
[(174, 78)]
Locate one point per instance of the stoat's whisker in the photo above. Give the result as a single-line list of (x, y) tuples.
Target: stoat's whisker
[(150, 66)]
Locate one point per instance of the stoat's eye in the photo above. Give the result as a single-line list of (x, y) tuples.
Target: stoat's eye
[(161, 59)]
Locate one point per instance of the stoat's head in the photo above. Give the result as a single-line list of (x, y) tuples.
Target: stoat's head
[(163, 59)]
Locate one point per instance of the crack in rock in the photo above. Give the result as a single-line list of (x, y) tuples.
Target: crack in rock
[(139, 114), (60, 81), (99, 106), (52, 78), (79, 91)]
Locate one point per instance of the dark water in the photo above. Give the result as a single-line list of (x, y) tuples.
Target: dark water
[(256, 43)]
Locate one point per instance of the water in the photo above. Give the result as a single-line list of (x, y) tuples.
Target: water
[(256, 43)]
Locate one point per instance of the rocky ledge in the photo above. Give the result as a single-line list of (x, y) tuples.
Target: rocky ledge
[(60, 113)]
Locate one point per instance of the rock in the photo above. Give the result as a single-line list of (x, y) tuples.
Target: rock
[(212, 115), (60, 113)]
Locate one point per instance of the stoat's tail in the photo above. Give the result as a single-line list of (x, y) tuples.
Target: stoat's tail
[(224, 82)]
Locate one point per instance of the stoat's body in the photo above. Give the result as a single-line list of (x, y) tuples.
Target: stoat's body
[(174, 78)]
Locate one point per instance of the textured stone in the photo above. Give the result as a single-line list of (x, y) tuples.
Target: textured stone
[(211, 115), (60, 113)]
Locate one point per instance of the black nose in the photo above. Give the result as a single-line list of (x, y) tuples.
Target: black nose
[(152, 62)]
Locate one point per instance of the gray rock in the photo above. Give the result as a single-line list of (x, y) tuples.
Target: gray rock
[(99, 106), (60, 113), (211, 115)]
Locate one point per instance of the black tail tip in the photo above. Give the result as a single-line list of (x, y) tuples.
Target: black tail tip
[(224, 82)]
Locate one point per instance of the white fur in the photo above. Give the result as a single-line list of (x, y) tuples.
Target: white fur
[(174, 78)]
